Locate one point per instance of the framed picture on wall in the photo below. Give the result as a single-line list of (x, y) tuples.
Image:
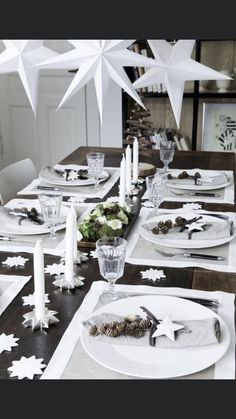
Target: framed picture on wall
[(219, 127)]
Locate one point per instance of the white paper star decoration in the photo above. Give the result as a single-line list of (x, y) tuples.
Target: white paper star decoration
[(29, 300), (21, 55), (195, 226), (100, 60), (168, 328), (55, 269), (26, 367), (73, 175), (173, 67), (15, 261), (192, 206), (7, 342), (153, 274)]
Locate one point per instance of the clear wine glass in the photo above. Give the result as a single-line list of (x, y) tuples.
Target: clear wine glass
[(95, 166), (111, 259), (51, 208), (156, 191), (167, 151)]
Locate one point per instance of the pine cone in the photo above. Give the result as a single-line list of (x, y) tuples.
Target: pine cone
[(102, 329), (139, 333), (121, 327), (113, 324), (93, 331), (145, 324), (111, 332)]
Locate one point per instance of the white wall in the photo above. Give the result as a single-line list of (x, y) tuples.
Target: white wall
[(54, 133)]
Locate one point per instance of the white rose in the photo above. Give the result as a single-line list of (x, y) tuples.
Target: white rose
[(102, 219), (108, 204), (126, 207), (115, 224)]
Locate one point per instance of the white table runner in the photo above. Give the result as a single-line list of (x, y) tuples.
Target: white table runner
[(78, 191), (70, 361), (10, 286), (142, 252), (52, 247), (226, 194)]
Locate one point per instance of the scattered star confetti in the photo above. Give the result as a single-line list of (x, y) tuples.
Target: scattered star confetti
[(100, 60), (153, 274), (7, 342), (192, 206), (168, 328), (15, 261), (55, 269), (26, 367), (173, 67), (29, 300), (93, 254), (148, 204), (76, 199)]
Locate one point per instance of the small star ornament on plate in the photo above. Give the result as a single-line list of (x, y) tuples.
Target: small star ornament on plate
[(167, 328), (192, 206), (15, 261), (55, 269), (195, 226), (73, 175), (26, 367), (29, 300), (7, 342), (153, 274)]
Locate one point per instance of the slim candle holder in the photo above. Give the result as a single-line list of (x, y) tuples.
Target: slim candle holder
[(63, 283), (133, 192), (78, 258), (47, 320)]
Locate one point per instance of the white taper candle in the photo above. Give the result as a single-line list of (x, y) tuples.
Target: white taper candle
[(128, 169), (39, 281), (75, 230), (135, 160), (122, 181), (69, 246)]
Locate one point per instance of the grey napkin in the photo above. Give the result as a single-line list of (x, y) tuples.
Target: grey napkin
[(214, 231), (195, 333), (204, 180), (51, 173)]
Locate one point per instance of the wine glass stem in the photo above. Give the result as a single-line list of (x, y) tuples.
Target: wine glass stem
[(111, 288), (52, 230), (96, 183), (166, 167)]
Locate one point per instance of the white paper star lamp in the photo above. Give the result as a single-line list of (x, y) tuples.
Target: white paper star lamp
[(100, 60), (168, 328), (21, 55), (173, 67)]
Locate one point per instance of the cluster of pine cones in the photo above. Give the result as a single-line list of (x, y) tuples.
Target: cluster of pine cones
[(113, 329)]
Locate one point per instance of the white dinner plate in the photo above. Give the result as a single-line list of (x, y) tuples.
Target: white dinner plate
[(153, 362), (32, 229), (193, 187), (79, 182), (162, 239)]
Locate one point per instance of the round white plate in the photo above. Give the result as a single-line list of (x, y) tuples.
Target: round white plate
[(79, 182), (149, 362), (189, 244), (15, 229), (193, 187)]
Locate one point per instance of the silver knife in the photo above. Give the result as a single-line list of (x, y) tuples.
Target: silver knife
[(203, 194), (6, 238), (48, 188)]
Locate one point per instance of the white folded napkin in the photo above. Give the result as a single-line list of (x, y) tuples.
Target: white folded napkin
[(195, 333), (26, 224)]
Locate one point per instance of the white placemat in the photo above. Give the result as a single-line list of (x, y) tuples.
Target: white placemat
[(52, 247), (142, 252), (10, 286), (70, 361), (226, 194), (79, 191)]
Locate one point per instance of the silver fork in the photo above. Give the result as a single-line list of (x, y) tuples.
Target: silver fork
[(190, 255)]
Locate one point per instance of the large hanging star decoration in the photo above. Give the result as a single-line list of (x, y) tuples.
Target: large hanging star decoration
[(173, 67), (21, 56), (100, 60), (168, 328)]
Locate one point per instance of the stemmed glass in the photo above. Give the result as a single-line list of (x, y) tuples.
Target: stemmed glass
[(51, 208), (111, 259), (156, 190), (95, 166), (167, 151)]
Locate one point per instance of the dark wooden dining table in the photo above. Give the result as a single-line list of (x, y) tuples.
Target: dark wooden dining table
[(42, 344)]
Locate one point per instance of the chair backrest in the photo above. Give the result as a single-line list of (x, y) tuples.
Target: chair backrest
[(15, 177)]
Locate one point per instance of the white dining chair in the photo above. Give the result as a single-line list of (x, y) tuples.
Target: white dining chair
[(15, 177)]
